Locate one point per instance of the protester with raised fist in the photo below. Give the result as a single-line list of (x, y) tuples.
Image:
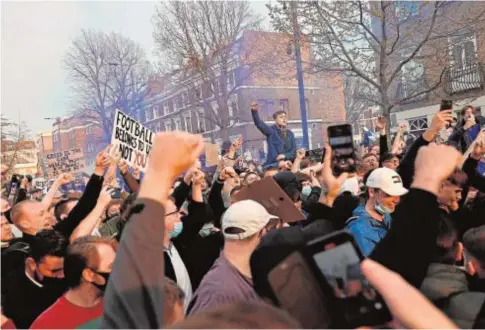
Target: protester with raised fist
[(281, 141)]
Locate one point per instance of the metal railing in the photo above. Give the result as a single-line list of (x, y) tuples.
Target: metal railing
[(464, 78)]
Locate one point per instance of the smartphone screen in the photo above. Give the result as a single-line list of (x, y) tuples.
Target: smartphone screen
[(315, 155), (446, 105), (338, 259), (298, 293), (343, 156)]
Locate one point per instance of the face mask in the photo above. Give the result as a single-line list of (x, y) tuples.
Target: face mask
[(206, 230), (381, 209), (53, 283), (177, 229), (106, 279), (306, 191)]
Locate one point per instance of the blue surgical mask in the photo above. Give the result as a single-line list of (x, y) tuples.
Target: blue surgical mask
[(381, 209), (306, 191), (177, 229)]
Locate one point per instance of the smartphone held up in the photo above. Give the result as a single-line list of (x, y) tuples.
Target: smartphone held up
[(322, 285), (341, 142)]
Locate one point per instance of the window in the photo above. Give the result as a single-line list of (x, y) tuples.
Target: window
[(188, 123), (149, 115), (199, 115), (185, 99), (168, 126), (178, 124), (156, 112), (89, 130), (177, 103), (266, 108), (463, 51), (284, 105), (55, 137), (418, 125), (72, 134), (90, 147), (465, 70)]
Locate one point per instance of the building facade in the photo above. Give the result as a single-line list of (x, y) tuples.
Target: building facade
[(69, 133), (456, 66), (262, 70)]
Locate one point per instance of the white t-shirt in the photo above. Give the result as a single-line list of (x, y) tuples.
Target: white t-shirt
[(181, 273)]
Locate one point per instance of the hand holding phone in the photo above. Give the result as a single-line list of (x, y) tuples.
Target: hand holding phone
[(343, 155), (335, 260), (446, 105)]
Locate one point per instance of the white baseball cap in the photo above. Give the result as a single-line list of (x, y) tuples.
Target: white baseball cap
[(387, 180), (244, 219)]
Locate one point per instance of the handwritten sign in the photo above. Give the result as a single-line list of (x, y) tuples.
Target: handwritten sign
[(131, 140), (70, 161), (211, 154)]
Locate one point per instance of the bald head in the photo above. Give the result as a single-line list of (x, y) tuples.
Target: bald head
[(30, 217)]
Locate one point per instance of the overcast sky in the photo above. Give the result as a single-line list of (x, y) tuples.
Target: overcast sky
[(36, 35)]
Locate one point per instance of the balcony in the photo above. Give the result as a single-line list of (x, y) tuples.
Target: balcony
[(406, 90), (465, 78)]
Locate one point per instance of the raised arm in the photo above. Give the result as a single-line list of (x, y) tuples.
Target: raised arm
[(89, 198), (129, 179), (61, 180), (300, 154), (261, 125), (134, 296), (91, 222), (406, 169)]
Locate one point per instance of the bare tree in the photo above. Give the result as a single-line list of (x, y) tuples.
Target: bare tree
[(15, 137), (383, 43), (201, 42), (107, 72)]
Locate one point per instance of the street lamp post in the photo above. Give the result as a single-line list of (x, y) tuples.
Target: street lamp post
[(299, 73)]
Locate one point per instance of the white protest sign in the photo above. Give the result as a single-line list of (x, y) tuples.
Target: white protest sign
[(131, 141)]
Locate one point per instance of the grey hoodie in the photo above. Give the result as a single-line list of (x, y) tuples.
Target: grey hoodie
[(447, 287)]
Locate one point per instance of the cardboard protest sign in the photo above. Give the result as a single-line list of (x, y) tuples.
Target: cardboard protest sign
[(70, 161), (211, 154), (131, 141)]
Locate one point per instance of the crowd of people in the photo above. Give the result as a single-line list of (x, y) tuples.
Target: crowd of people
[(179, 249)]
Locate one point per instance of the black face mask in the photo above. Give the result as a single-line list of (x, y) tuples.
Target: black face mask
[(106, 279), (53, 284)]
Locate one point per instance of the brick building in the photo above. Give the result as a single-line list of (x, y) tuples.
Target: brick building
[(455, 63), (262, 70), (69, 133)]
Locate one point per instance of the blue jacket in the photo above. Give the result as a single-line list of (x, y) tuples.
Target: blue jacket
[(366, 230), (276, 144)]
